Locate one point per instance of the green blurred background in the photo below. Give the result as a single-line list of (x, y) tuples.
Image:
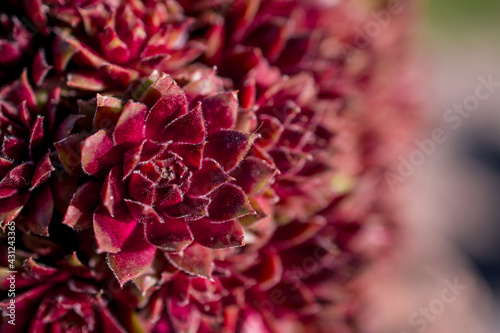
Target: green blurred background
[(464, 18)]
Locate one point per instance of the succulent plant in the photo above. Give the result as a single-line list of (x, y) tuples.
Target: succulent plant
[(208, 166), (59, 298), (167, 175)]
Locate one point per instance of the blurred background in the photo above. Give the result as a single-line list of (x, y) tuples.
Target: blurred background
[(452, 201)]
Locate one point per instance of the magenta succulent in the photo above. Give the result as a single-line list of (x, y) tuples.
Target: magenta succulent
[(167, 175), (26, 162), (113, 43), (243, 197), (57, 299)]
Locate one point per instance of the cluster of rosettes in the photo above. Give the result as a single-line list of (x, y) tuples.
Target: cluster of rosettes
[(189, 166)]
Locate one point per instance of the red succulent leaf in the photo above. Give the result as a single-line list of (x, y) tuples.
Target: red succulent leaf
[(269, 270), (169, 107), (131, 159), (151, 149), (37, 271), (188, 128), (228, 147), (42, 171), (112, 232), (36, 137), (129, 129), (40, 67), (153, 91), (39, 211), (270, 130), (62, 53), (99, 154), (229, 202), (113, 191), (208, 178), (7, 192), (141, 188), (119, 74), (247, 94), (67, 125), (192, 155), (218, 236), (134, 259), (253, 174), (113, 47), (86, 81), (107, 113), (172, 236), (14, 148), (184, 318), (10, 207), (63, 188), (167, 196), (5, 166), (79, 214), (143, 213), (69, 151), (195, 260), (189, 209), (296, 233), (220, 111), (18, 177)]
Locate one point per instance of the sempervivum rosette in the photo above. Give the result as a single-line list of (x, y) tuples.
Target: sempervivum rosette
[(27, 121), (58, 298), (171, 170), (15, 45), (277, 287), (108, 44)]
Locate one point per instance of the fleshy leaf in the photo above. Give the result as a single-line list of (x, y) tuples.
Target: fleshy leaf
[(67, 125), (141, 189), (189, 209), (143, 213), (69, 151), (39, 211), (36, 138), (195, 260), (134, 259), (208, 178), (253, 174), (228, 147), (170, 106), (167, 196), (42, 171), (173, 235), (192, 155), (220, 111), (11, 206), (130, 127), (113, 190), (86, 81), (107, 112), (228, 202), (37, 271), (296, 232), (19, 177), (99, 154), (217, 235), (112, 232), (189, 128)]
